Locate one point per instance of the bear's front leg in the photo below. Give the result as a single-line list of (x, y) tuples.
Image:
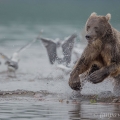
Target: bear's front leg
[(74, 83), (99, 75), (74, 80), (82, 65)]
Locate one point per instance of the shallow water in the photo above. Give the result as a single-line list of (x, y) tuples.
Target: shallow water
[(58, 110)]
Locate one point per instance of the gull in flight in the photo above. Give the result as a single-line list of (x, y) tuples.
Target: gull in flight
[(12, 63), (66, 45)]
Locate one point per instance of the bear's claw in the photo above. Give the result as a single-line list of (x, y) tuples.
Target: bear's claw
[(74, 83), (97, 76)]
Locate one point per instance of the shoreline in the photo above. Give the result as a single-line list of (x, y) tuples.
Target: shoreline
[(44, 95)]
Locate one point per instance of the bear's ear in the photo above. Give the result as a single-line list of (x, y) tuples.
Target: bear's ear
[(108, 16), (93, 14)]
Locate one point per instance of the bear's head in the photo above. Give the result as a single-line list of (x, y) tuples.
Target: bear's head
[(97, 27)]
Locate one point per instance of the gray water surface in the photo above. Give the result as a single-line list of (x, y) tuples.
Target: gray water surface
[(57, 110)]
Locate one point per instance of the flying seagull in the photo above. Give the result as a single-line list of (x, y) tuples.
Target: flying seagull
[(12, 63), (66, 45)]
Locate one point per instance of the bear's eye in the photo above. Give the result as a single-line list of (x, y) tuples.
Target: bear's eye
[(96, 28), (88, 27)]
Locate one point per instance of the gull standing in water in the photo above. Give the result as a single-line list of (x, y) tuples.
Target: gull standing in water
[(12, 63)]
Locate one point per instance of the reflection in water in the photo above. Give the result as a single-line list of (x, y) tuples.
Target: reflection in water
[(95, 111), (54, 110)]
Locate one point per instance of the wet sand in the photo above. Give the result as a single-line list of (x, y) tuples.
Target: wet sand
[(43, 94)]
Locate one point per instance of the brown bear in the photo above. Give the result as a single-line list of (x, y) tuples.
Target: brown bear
[(101, 57)]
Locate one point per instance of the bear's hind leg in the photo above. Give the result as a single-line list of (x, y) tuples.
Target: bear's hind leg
[(116, 89)]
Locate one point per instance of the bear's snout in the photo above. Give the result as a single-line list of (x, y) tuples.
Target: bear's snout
[(88, 37)]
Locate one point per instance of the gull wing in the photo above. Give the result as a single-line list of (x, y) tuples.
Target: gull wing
[(29, 44), (51, 49), (4, 57), (26, 46), (67, 47), (7, 60)]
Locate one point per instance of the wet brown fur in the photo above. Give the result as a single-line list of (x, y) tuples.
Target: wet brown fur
[(103, 52)]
